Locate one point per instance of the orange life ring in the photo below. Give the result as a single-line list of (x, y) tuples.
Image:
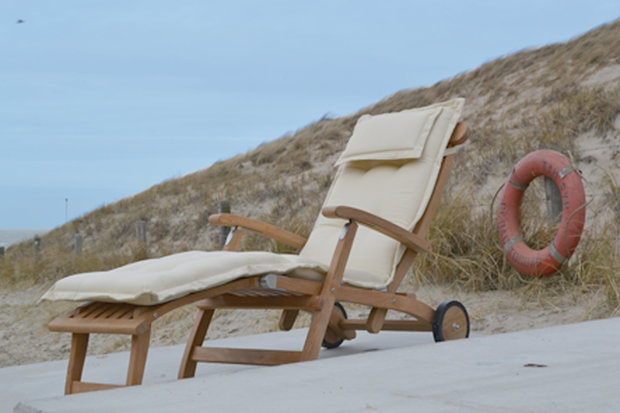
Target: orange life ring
[(548, 260)]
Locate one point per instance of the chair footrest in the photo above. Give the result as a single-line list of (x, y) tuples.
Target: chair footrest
[(245, 356), (98, 317)]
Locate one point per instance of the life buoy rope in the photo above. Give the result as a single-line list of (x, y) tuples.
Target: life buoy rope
[(558, 167)]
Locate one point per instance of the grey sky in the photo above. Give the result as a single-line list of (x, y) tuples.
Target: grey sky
[(102, 99)]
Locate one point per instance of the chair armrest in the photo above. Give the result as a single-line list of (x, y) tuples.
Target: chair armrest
[(268, 230), (408, 238), (459, 135)]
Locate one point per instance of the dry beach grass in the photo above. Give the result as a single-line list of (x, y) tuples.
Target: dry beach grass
[(564, 96)]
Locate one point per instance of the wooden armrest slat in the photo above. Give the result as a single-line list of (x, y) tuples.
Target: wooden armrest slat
[(379, 224), (268, 230)]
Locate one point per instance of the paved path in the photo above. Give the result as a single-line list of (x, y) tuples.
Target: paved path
[(559, 369)]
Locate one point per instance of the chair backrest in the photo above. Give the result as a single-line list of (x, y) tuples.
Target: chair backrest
[(389, 168)]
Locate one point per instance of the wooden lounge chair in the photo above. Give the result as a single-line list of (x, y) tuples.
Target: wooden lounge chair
[(375, 217)]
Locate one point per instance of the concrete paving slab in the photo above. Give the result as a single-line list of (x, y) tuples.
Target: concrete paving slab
[(572, 368)]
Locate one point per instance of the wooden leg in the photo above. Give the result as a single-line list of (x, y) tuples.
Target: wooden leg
[(376, 318), (316, 332), (335, 324), (137, 358), (287, 319), (197, 336), (333, 278), (79, 344)]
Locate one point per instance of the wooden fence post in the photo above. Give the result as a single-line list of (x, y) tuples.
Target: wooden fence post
[(77, 243), (141, 230), (36, 246), (224, 207)]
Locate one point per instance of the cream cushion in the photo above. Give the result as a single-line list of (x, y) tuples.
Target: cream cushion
[(158, 280), (394, 189), (389, 168), (400, 135)]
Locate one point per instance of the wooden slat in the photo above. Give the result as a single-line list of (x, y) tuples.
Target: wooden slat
[(110, 311), (287, 319), (89, 309), (264, 228), (389, 325), (124, 312), (379, 299), (353, 325), (98, 325), (379, 224), (102, 311), (299, 285), (407, 325), (121, 311), (83, 386), (262, 292), (245, 356), (283, 303)]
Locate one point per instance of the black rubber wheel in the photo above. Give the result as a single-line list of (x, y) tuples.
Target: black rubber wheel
[(333, 339), (450, 321)]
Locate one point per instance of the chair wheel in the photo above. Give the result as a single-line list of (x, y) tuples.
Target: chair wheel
[(450, 321), (332, 339)]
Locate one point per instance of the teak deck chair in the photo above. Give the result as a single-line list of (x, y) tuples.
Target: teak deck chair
[(375, 217)]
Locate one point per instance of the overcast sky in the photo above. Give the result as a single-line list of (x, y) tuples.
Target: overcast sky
[(101, 99)]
